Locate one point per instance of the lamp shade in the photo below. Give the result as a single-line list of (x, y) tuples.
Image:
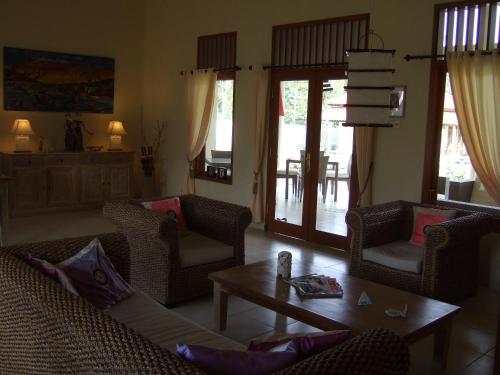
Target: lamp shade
[(22, 127), (116, 128)]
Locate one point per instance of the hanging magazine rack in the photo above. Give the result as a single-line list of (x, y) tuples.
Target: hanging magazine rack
[(368, 94)]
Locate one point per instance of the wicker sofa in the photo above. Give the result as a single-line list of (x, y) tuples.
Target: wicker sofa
[(44, 329), (173, 268), (448, 265)]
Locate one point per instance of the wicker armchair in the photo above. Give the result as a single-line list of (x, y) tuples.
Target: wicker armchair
[(44, 329), (157, 247), (450, 258)]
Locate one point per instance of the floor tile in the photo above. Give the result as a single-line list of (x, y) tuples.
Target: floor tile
[(265, 316), (483, 366)]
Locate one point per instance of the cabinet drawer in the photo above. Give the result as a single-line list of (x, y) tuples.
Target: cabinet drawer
[(27, 161), (61, 160), (119, 157), (93, 158)]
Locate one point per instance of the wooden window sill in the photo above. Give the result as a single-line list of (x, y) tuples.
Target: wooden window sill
[(226, 181)]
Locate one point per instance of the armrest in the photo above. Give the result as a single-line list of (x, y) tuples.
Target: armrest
[(378, 351), (457, 231), (376, 225), (222, 221), (115, 246), (133, 217)]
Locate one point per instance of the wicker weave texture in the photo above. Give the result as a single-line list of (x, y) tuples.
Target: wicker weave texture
[(44, 329), (154, 242), (451, 256)]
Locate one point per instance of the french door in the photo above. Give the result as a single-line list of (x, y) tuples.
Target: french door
[(311, 169)]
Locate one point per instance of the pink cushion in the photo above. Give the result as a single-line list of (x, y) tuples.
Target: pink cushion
[(424, 217), (171, 207)]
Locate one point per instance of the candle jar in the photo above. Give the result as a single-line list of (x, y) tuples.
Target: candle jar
[(284, 264)]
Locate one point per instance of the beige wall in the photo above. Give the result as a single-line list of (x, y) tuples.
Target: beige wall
[(171, 30), (111, 28)]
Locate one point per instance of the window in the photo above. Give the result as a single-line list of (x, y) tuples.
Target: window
[(449, 175), (215, 162)]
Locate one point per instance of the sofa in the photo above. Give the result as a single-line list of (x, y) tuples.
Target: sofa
[(445, 269), (44, 329), (171, 266)]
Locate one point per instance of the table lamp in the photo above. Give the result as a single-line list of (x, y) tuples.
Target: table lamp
[(22, 129), (115, 130)]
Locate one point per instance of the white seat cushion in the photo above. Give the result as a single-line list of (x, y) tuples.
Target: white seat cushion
[(196, 249), (165, 327), (399, 255)]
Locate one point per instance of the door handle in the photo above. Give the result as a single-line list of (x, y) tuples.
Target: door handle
[(308, 162)]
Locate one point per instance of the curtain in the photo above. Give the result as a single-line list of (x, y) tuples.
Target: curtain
[(365, 139), (260, 120), (475, 82), (201, 87)]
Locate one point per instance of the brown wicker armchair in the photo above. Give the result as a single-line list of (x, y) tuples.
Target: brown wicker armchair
[(172, 268), (448, 265)]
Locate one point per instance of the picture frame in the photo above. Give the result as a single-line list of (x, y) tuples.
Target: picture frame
[(398, 101)]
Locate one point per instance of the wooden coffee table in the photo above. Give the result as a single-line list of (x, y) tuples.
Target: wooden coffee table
[(257, 283)]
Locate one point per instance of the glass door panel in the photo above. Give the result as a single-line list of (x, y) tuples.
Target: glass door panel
[(292, 160), (335, 159)]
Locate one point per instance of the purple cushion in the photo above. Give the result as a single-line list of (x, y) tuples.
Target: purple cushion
[(308, 345), (53, 272), (230, 362), (95, 277), (305, 345)]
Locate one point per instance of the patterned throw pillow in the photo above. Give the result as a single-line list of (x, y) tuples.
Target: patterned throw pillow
[(53, 272), (95, 277), (230, 362), (423, 217), (171, 207)]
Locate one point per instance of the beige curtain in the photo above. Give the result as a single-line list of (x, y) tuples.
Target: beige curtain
[(365, 139), (260, 120), (475, 82), (200, 105)]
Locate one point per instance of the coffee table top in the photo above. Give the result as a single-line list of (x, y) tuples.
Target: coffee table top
[(257, 283)]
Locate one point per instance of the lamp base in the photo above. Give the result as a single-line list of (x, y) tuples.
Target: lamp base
[(115, 143), (22, 143)]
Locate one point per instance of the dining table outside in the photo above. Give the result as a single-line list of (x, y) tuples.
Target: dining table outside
[(334, 164)]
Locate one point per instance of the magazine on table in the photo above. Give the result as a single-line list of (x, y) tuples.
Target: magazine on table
[(316, 286)]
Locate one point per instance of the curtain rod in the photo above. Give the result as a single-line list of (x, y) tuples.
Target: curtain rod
[(231, 69), (265, 67), (436, 56)]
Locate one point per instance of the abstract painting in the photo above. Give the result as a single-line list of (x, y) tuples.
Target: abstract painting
[(57, 82)]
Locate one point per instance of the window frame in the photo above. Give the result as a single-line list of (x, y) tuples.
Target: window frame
[(200, 172), (437, 87)]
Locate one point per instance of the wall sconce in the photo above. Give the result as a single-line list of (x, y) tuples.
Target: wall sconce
[(22, 129), (116, 130)]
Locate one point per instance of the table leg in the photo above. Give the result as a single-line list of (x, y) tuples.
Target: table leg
[(336, 181), (220, 307), (442, 345), (286, 178)]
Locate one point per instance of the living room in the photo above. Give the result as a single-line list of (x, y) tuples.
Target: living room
[(155, 50)]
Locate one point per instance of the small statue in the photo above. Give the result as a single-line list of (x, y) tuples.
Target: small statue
[(73, 139)]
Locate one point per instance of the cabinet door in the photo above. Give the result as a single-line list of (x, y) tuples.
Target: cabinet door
[(62, 186), (119, 181), (92, 184), (28, 188)]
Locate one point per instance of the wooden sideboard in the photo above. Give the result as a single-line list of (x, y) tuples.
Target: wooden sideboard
[(44, 182)]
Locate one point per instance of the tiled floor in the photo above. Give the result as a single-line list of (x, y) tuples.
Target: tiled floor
[(474, 329)]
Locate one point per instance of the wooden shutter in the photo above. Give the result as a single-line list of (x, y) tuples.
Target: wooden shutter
[(322, 42), (217, 51), (466, 26)]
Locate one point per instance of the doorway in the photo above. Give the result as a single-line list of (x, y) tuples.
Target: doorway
[(311, 156)]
